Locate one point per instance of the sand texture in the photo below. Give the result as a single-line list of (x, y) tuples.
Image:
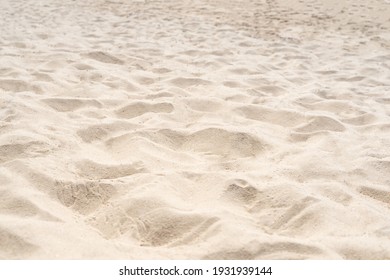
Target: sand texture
[(194, 129)]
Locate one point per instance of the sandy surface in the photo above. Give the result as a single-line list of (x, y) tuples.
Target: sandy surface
[(194, 129)]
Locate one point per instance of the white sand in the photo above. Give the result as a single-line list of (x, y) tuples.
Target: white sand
[(195, 129)]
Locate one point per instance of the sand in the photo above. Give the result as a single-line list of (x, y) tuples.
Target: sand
[(194, 129)]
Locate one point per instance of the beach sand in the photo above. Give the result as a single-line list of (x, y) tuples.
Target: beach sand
[(194, 129)]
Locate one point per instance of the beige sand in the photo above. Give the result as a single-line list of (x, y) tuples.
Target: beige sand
[(195, 129)]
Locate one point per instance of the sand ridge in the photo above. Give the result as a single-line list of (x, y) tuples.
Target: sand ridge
[(165, 129)]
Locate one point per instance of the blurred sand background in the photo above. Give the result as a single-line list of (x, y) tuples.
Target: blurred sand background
[(194, 129)]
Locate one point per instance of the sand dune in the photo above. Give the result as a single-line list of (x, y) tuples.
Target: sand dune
[(195, 129)]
